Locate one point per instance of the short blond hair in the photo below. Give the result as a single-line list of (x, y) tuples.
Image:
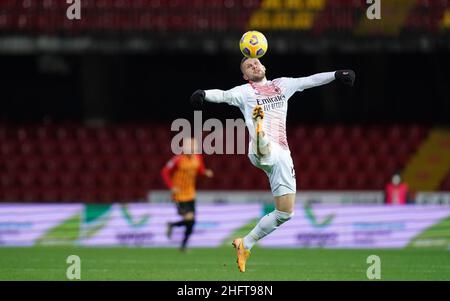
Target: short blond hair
[(242, 62)]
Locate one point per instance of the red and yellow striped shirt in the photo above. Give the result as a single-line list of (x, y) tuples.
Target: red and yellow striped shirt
[(181, 172)]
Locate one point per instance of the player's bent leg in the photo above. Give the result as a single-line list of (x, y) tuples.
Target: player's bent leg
[(189, 219), (266, 225), (169, 229), (270, 222), (282, 182), (181, 223), (285, 203), (187, 233), (188, 216)]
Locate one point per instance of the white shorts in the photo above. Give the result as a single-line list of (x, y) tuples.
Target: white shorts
[(279, 167)]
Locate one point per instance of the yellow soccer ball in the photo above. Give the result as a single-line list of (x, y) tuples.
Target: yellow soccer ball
[(253, 44)]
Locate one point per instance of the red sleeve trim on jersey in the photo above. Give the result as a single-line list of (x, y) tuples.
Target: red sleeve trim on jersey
[(167, 170)]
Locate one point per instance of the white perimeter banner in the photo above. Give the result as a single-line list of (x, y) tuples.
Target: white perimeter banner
[(144, 224), (438, 198), (315, 197)]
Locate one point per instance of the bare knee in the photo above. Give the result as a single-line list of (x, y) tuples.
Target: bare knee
[(189, 216), (285, 203)]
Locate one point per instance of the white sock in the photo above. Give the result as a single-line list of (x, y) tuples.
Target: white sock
[(266, 225)]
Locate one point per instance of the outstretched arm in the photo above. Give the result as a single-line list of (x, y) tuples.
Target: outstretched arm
[(316, 80), (346, 77), (216, 95), (231, 97)]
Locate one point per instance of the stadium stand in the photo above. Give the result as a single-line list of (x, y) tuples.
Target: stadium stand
[(427, 16), (431, 162), (446, 183), (69, 163), (202, 16)]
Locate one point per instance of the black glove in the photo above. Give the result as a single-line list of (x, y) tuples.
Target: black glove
[(197, 99), (347, 77)]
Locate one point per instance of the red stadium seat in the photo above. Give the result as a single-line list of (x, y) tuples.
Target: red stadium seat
[(83, 133), (65, 133), (68, 180), (72, 164), (69, 147), (103, 134), (12, 194), (446, 183), (52, 163), (127, 179), (89, 195), (134, 164), (94, 164), (108, 148), (107, 180), (48, 179), (360, 182), (378, 180), (45, 133), (71, 195), (129, 148), (33, 163), (130, 194), (147, 148), (28, 148), (28, 180), (89, 147), (47, 147), (322, 181), (341, 182), (113, 163), (8, 147), (31, 195), (8, 180), (88, 180)]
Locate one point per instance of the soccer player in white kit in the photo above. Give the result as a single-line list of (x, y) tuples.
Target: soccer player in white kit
[(264, 104)]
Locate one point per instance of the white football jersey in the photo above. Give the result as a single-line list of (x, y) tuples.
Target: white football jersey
[(272, 96)]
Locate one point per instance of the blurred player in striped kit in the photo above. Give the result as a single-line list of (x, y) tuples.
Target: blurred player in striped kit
[(180, 175), (264, 104)]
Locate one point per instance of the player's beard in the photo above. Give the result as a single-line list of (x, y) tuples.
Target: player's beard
[(258, 77)]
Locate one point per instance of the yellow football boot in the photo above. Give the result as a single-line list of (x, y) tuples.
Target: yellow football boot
[(242, 253)]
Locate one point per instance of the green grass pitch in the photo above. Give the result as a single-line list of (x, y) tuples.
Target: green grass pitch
[(49, 263)]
